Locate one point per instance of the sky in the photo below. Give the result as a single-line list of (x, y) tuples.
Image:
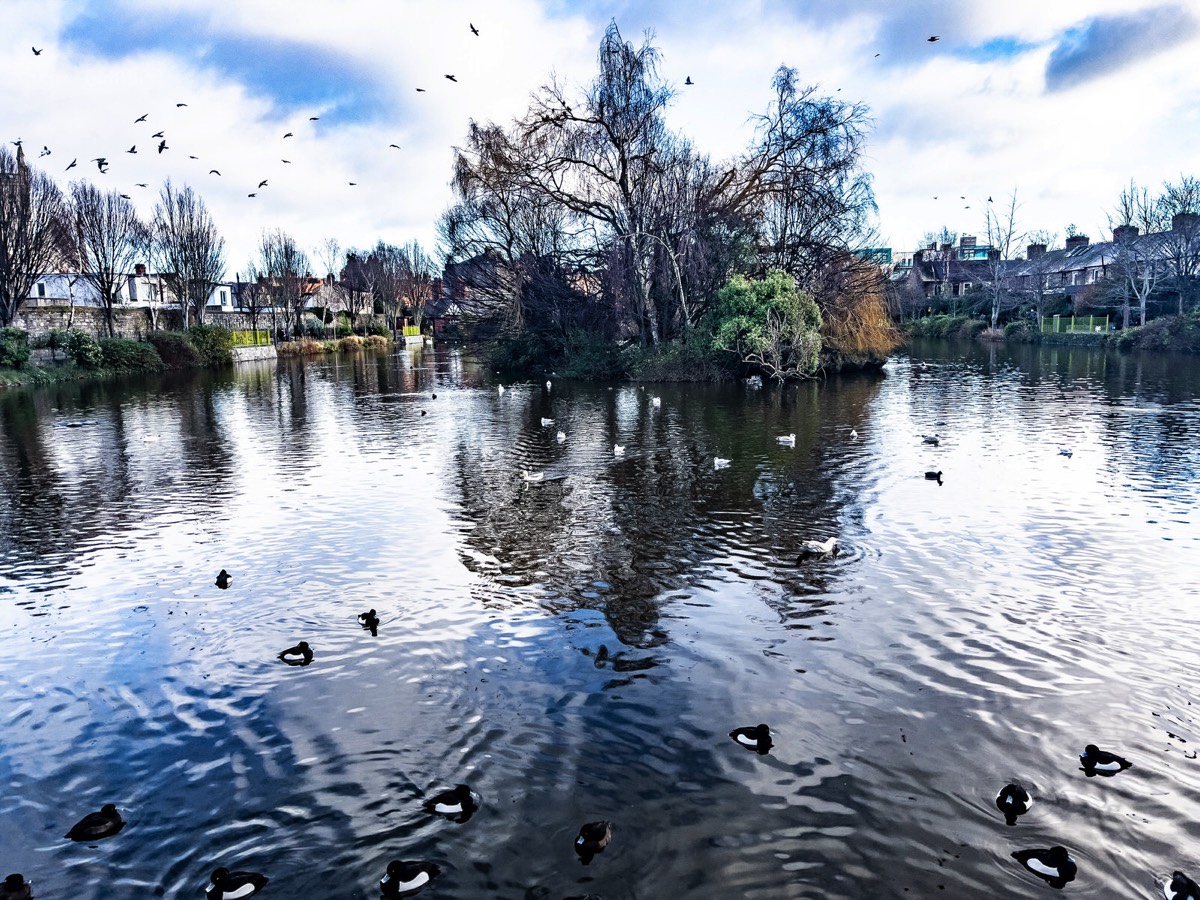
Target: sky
[(1062, 103)]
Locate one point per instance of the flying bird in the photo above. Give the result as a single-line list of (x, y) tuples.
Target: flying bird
[(288, 135), (420, 90), (252, 195), (474, 30), (141, 184), (71, 166), (288, 161), (688, 80), (397, 146), (933, 38), (263, 183), (45, 151), (36, 51), (162, 145), (313, 118), (100, 161), (177, 105), (126, 197), (192, 157), (213, 172), (132, 149), (353, 184), (157, 134), (141, 118), (451, 78)]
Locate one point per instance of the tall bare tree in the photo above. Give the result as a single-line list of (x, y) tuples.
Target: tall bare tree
[(1137, 258), (254, 296), (1180, 206), (188, 249), (287, 272), (332, 259), (416, 279), (1002, 238), (32, 227), (109, 238)]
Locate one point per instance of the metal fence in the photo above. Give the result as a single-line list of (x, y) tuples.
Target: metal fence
[(261, 338), (412, 331), (1074, 324)]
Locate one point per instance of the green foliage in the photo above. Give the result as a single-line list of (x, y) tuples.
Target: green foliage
[(14, 348), (342, 328), (82, 348), (121, 355), (379, 328), (590, 357), (1022, 331), (945, 327), (693, 360), (768, 323), (313, 328), (531, 350), (175, 350), (1176, 334), (214, 343)]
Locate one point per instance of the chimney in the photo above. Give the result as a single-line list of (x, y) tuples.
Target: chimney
[(1185, 223), (967, 241), (1124, 233), (1033, 251), (932, 246), (139, 270), (1076, 240)]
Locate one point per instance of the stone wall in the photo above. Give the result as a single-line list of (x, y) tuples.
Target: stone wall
[(133, 323)]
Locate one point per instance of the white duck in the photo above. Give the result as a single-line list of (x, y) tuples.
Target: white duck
[(788, 440)]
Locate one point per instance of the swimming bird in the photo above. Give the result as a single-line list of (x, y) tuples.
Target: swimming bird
[(934, 476), (853, 435), (788, 440), (618, 449), (500, 388), (822, 547), (474, 30), (1180, 887), (226, 885), (369, 621), (1063, 451), (688, 80), (656, 401), (1100, 762), (593, 838), (562, 436), (720, 462), (533, 476), (933, 439), (1054, 865), (451, 78), (15, 887), (546, 421), (457, 805), (300, 655), (224, 579), (1013, 800), (96, 825), (405, 877), (753, 737)]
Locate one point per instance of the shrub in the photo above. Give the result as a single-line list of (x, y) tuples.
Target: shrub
[(313, 327), (677, 361), (302, 347), (592, 357), (175, 349), (1180, 334), (375, 342), (991, 334), (349, 344), (1021, 332), (342, 328), (82, 348), (379, 328), (214, 343), (123, 355), (14, 348)]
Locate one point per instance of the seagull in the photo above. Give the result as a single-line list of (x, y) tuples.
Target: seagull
[(720, 463), (688, 80), (546, 421), (500, 388), (263, 183), (162, 145), (532, 476), (474, 30), (933, 38), (36, 51), (213, 172), (132, 149), (656, 401), (562, 436), (931, 439), (288, 135), (823, 547), (618, 449), (451, 78), (141, 118), (787, 439), (72, 165), (853, 435)]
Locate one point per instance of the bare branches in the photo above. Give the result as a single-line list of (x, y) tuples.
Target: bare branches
[(189, 252), (33, 226), (108, 238)]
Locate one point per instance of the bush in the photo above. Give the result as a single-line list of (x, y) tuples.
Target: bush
[(214, 344), (945, 327), (14, 348), (379, 328), (82, 348), (590, 357), (349, 344), (677, 361), (1179, 334), (1021, 332), (767, 323), (313, 327), (121, 355), (302, 347), (375, 342), (342, 328), (174, 349)]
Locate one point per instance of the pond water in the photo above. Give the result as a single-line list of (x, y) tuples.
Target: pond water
[(579, 648)]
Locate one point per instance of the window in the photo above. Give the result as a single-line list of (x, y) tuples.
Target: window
[(41, 289), (224, 297)]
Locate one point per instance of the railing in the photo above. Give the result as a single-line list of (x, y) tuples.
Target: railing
[(412, 331), (260, 338), (1074, 324)]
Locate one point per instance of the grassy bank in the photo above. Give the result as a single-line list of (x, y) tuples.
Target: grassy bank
[(1169, 334)]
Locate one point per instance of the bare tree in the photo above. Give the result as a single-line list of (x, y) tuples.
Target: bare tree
[(109, 238), (1002, 238), (416, 279), (286, 269), (254, 296), (32, 227), (1137, 259), (1180, 206), (189, 251), (332, 260)]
